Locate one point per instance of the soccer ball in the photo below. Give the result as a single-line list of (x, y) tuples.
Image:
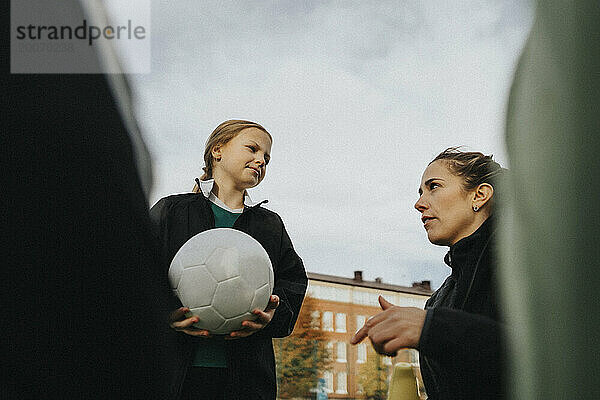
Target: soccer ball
[(222, 275)]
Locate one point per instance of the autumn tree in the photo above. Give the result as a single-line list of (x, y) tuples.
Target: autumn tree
[(302, 357), (374, 377)]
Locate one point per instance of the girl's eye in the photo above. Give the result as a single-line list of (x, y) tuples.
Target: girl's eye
[(433, 185), (252, 148)]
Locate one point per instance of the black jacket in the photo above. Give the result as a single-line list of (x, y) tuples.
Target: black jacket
[(84, 300), (461, 342), (250, 361)]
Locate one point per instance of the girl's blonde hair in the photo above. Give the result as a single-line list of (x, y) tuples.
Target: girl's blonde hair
[(219, 137)]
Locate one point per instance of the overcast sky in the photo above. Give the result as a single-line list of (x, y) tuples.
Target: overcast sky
[(358, 95)]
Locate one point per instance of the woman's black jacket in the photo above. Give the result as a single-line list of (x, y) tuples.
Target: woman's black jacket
[(250, 361), (461, 347)]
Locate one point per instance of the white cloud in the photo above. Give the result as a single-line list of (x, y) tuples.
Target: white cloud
[(359, 97)]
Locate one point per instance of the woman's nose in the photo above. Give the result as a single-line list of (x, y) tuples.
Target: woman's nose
[(420, 205)]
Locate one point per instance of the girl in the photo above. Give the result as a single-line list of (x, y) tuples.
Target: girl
[(458, 335), (242, 364)]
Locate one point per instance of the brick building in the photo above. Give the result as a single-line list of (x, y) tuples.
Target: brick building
[(342, 305)]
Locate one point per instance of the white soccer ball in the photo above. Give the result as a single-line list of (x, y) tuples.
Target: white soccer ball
[(222, 275)]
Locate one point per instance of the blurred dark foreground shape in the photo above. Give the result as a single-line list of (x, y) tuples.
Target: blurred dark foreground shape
[(551, 254), (84, 302)]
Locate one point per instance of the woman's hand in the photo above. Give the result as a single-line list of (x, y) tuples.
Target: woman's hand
[(179, 322), (262, 320), (393, 329)]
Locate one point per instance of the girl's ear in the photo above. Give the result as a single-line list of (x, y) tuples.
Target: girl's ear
[(483, 193), (216, 152)]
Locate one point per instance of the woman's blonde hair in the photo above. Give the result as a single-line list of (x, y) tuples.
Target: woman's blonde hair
[(474, 167), (221, 136)]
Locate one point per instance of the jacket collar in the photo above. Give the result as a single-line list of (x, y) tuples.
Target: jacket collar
[(465, 253), (207, 186)]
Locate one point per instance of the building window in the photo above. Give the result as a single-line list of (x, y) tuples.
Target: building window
[(360, 321), (361, 353), (327, 321), (342, 383), (341, 352), (315, 319), (328, 376), (329, 347), (340, 322)]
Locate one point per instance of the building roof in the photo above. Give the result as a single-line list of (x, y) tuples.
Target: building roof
[(419, 288)]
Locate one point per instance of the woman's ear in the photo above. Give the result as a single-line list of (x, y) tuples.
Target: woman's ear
[(483, 193)]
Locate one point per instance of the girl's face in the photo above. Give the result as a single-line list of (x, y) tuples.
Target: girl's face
[(445, 206), (243, 160)]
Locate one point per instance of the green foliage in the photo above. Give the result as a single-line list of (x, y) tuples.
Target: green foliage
[(302, 357), (374, 377)]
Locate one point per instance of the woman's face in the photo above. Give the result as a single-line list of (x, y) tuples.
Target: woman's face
[(445, 206), (243, 160)]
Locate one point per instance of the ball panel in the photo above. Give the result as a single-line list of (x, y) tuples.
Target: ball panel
[(193, 252), (196, 287), (232, 297), (234, 324), (261, 298), (209, 318), (223, 263), (255, 270), (175, 271)]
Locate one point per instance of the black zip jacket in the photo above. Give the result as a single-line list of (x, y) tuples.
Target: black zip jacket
[(250, 361), (461, 343)]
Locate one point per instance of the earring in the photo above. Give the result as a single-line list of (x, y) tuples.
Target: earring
[(475, 208)]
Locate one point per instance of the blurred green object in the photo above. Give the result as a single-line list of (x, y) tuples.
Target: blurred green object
[(403, 384), (550, 250)]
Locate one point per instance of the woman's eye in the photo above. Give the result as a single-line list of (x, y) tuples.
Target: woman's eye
[(252, 148), (433, 185)]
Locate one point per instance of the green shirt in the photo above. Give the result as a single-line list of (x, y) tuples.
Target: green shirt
[(211, 352)]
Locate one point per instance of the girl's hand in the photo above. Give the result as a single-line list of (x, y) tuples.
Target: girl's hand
[(179, 322), (393, 329), (264, 317)]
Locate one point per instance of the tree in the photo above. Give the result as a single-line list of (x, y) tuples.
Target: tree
[(374, 377), (302, 357)]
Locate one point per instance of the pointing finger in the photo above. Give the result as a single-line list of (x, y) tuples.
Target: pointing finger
[(384, 303), (360, 335)]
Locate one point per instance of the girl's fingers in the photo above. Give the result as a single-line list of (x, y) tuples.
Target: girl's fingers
[(262, 316), (197, 332), (262, 319), (179, 314), (273, 303), (252, 325), (186, 323)]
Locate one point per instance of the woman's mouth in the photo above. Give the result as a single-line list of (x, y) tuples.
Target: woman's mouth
[(426, 219)]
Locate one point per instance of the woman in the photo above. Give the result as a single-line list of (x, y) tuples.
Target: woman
[(242, 367), (458, 334)]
